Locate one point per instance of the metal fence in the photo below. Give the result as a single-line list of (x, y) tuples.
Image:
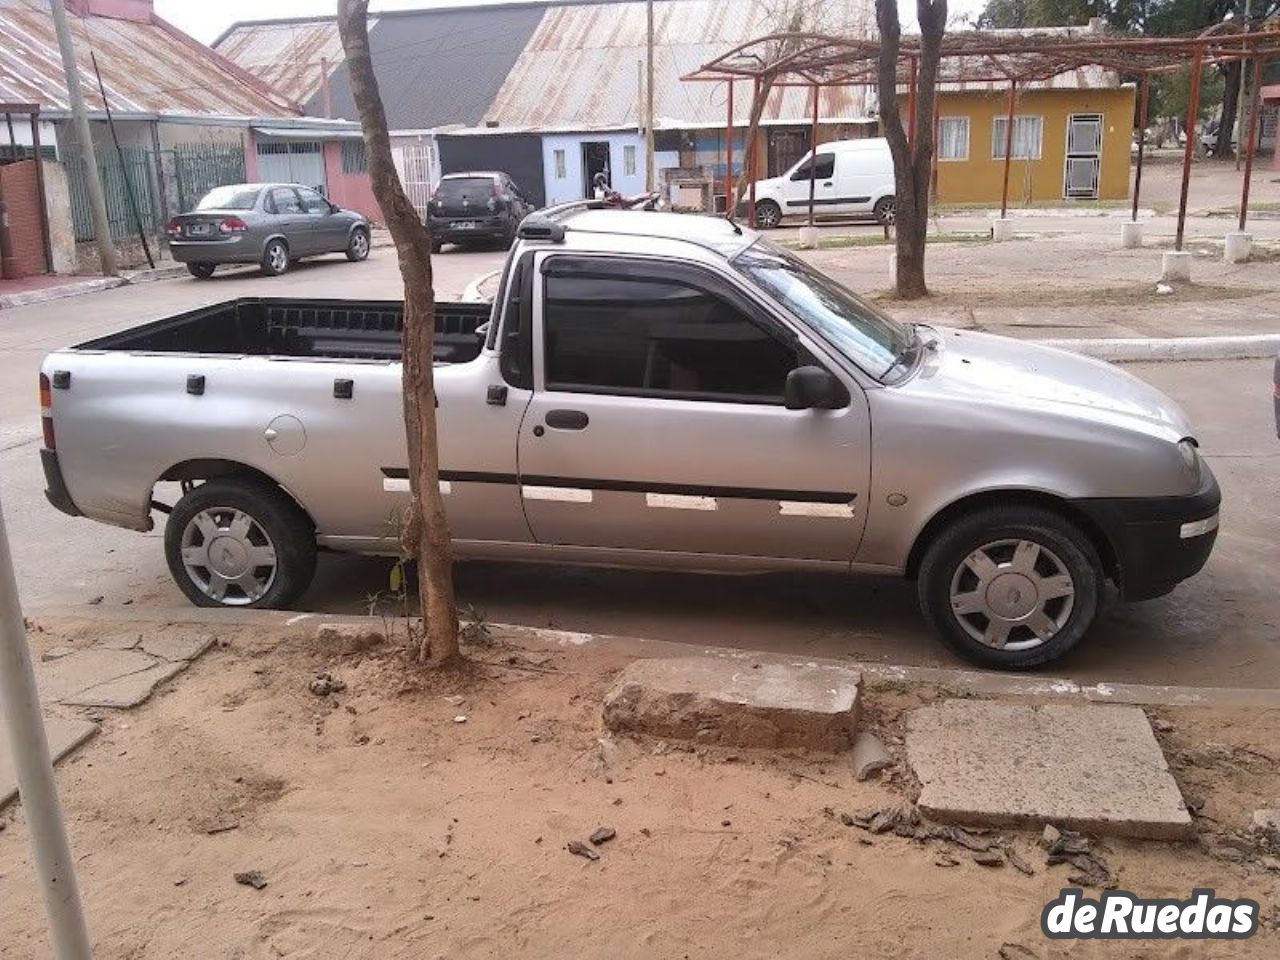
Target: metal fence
[(138, 170), (189, 171), (199, 167)]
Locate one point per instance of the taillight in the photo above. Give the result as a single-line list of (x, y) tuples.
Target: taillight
[(174, 228), (46, 413), (233, 225)]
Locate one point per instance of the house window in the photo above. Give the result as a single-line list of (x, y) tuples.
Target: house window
[(1028, 137), (629, 160), (354, 157), (559, 161), (953, 138)]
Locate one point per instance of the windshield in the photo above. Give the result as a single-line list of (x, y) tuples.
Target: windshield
[(868, 336), (229, 198)]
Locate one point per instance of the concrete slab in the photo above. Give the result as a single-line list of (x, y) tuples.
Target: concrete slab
[(127, 691), (177, 646), (61, 678), (1176, 265), (736, 703), (1131, 234), (1091, 768), (64, 736)]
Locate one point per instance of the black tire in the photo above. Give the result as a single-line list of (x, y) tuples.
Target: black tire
[(886, 210), (358, 245), (275, 258), (768, 215), (1064, 551), (201, 271), (436, 245), (280, 525)]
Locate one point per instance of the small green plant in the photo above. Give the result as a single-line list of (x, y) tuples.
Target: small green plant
[(476, 627)]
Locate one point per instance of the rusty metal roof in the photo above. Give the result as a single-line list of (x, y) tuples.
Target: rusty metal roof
[(582, 68), (288, 54), (147, 68)]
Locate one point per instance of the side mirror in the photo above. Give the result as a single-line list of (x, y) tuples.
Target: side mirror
[(812, 388), (334, 208)]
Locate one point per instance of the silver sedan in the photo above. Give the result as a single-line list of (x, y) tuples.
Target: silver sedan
[(270, 224)]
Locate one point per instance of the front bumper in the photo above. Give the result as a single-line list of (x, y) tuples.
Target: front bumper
[(1158, 541), (55, 490)]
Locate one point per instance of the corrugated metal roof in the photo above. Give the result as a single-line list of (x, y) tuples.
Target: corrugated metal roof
[(147, 68), (288, 54), (582, 68), (958, 71)]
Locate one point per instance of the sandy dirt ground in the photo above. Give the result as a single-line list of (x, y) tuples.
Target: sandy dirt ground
[(387, 828)]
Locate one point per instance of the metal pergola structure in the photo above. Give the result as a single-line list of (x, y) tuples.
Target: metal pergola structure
[(999, 58)]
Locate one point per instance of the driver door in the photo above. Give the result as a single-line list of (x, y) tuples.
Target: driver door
[(657, 421), (825, 194)]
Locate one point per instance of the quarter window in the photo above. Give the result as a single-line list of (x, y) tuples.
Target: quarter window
[(1028, 137), (953, 138), (657, 337)]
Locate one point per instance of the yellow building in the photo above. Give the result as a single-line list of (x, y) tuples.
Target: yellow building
[(1069, 143)]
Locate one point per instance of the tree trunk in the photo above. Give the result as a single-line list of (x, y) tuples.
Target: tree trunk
[(1234, 76), (426, 530), (750, 160), (912, 157)]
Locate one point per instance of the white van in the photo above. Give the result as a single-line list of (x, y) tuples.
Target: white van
[(854, 178)]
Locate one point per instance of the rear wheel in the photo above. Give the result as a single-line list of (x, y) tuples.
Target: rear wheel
[(358, 245), (239, 543), (1011, 587), (886, 210), (201, 271), (436, 245), (768, 215), (275, 258)]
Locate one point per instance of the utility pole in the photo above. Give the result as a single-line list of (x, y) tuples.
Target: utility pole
[(651, 175), (97, 205), (30, 747)]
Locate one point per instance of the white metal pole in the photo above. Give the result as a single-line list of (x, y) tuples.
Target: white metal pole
[(40, 805)]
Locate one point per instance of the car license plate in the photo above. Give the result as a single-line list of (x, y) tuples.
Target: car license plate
[(464, 225), (198, 229)]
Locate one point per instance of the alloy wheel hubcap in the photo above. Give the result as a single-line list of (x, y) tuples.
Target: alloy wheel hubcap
[(768, 217), (279, 258), (359, 244), (890, 213), (228, 556), (1012, 594)]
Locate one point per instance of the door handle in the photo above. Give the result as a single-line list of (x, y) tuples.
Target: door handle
[(827, 183), (567, 419)]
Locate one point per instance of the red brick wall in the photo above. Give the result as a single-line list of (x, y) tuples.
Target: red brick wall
[(21, 195)]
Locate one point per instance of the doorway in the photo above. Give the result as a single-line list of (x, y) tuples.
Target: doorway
[(1084, 156), (595, 159)]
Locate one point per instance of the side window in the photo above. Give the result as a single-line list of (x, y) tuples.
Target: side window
[(312, 202), (284, 200), (657, 337), (826, 168)]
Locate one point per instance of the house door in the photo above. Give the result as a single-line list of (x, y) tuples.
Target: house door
[(299, 161), (786, 147), (1084, 154), (595, 159)]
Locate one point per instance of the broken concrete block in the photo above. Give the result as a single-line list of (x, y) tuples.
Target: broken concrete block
[(177, 646), (1267, 820), (64, 736), (736, 703), (869, 755), (1091, 768), (128, 691)]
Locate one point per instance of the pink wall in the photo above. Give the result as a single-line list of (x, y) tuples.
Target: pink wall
[(250, 157), (1271, 101), (352, 191)]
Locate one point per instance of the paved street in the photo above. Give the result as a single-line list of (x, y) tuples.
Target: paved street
[(1223, 628)]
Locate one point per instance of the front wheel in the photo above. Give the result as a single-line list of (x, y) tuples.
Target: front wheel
[(201, 271), (886, 211), (239, 543), (1011, 587), (358, 246), (275, 258), (768, 215)]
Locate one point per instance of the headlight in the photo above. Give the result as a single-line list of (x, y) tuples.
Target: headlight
[(1190, 453)]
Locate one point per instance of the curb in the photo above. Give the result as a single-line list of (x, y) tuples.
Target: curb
[(977, 682), (1117, 350), (94, 285), (472, 294)]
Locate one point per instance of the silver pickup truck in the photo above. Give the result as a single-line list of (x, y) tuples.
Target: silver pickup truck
[(650, 390)]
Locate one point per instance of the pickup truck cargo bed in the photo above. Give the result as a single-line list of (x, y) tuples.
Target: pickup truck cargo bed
[(269, 326)]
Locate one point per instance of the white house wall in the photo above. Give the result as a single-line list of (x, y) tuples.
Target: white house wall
[(570, 186)]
